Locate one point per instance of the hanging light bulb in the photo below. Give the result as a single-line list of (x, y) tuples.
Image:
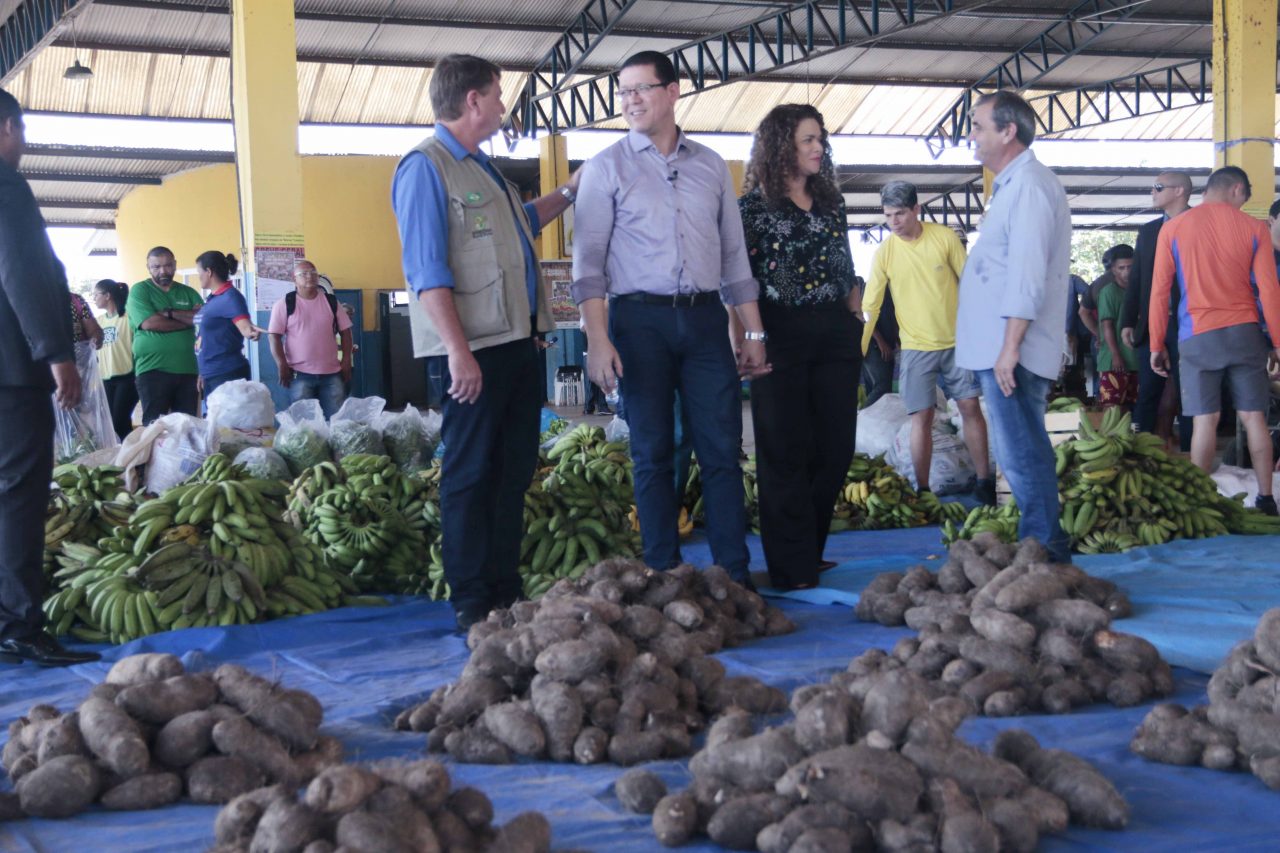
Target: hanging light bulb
[(77, 70)]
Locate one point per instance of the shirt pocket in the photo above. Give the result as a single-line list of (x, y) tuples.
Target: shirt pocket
[(479, 293)]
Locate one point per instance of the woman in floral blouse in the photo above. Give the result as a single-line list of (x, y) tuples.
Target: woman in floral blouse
[(805, 411)]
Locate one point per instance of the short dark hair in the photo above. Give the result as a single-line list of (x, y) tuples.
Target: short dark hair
[(1009, 108), (1275, 209), (160, 250), (899, 194), (9, 106), (222, 266), (662, 67), (1227, 177), (1121, 252), (453, 77)]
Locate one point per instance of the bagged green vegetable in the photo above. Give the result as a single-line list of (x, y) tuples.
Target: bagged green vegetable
[(353, 428), (303, 437), (263, 463), (408, 438)]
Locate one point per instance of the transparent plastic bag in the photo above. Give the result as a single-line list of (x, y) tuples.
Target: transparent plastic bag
[(88, 426), (180, 447), (617, 430), (353, 428), (241, 404), (303, 437), (263, 463), (404, 435)]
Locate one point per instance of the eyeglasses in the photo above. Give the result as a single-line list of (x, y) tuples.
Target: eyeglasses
[(1157, 188), (638, 89)]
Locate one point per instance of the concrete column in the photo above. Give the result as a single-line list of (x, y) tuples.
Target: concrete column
[(553, 171), (1244, 93)]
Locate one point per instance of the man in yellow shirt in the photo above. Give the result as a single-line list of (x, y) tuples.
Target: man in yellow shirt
[(921, 263)]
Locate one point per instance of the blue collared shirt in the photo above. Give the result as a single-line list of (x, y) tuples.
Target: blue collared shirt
[(651, 223), (1019, 267), (422, 206)]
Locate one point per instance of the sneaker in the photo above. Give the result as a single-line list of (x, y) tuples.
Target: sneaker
[(985, 492), (1265, 503)]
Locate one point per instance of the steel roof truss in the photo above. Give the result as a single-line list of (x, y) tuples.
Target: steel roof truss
[(31, 25), (1142, 94)]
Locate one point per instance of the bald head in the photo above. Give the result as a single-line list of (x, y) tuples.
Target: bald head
[(1171, 192), (305, 278)]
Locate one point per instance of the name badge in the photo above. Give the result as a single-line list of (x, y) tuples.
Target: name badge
[(480, 227)]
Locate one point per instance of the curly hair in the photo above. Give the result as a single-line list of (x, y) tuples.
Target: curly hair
[(773, 158)]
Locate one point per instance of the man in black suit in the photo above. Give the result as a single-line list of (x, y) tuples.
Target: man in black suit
[(1171, 195), (36, 357)]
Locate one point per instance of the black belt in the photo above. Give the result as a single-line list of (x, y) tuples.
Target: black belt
[(674, 300)]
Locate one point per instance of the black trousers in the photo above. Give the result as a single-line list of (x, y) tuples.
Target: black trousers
[(877, 373), (1151, 389), (163, 393), (491, 451), (122, 396), (26, 468), (805, 415)]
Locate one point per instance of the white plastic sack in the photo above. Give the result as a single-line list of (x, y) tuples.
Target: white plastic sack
[(1232, 481), (951, 468), (303, 437), (354, 427), (178, 444), (878, 425), (957, 423), (241, 404), (88, 426)]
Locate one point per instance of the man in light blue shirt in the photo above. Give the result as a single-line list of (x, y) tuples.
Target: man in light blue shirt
[(1013, 296), (467, 251), (658, 233)]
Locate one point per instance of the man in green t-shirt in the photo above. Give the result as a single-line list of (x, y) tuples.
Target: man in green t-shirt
[(162, 315), (1117, 362)]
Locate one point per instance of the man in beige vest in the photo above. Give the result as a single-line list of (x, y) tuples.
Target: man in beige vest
[(467, 250)]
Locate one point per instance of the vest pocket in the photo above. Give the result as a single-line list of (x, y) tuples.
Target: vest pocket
[(481, 301)]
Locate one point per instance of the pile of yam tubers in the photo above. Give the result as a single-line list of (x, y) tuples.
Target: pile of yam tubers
[(388, 807), (612, 666), (871, 761), (153, 731), (1240, 727), (1011, 632)]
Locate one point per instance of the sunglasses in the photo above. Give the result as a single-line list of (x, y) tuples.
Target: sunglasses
[(1157, 188)]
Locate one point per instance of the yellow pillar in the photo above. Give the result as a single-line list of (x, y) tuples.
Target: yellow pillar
[(265, 115), (988, 180), (1244, 93), (738, 172), (553, 171)]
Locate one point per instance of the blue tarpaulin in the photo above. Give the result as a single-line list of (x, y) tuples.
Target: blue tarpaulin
[(365, 664)]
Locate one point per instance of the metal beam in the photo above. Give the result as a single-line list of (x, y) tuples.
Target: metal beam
[(29, 28), (773, 41), (75, 223), (100, 178), (173, 155), (77, 204), (1077, 28), (1173, 87)]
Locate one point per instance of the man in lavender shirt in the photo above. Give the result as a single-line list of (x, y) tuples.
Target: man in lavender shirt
[(658, 235)]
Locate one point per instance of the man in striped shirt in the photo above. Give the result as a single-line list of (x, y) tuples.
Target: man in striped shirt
[(1224, 267)]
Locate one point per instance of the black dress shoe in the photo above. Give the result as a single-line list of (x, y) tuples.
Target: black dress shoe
[(467, 616), (44, 650)]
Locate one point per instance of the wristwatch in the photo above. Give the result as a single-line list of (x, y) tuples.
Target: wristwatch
[(755, 336), (569, 195), (168, 312)]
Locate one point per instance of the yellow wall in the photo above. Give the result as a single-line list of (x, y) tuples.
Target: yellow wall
[(350, 228)]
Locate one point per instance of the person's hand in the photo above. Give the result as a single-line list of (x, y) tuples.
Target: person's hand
[(345, 372), (67, 379), (1273, 364), (1126, 336), (286, 374), (604, 365), (1004, 369), (464, 370), (575, 178), (751, 360), (886, 349), (1160, 363)]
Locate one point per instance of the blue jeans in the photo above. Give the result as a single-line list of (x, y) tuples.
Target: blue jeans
[(664, 350), (1025, 455), (328, 388)]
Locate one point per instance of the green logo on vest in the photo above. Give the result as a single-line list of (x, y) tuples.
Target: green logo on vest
[(480, 227), (472, 198)]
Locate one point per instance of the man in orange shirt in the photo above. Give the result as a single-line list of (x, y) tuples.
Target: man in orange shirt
[(1223, 263)]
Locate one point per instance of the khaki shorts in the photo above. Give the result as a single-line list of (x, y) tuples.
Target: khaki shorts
[(919, 373), (1237, 354)]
